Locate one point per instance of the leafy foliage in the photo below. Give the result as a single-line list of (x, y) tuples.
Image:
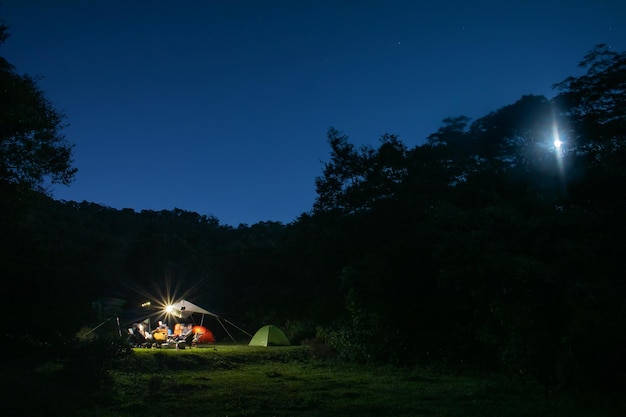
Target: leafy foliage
[(32, 148), (88, 362)]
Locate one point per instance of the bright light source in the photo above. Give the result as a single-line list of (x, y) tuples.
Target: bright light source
[(168, 309), (559, 153), (557, 142)]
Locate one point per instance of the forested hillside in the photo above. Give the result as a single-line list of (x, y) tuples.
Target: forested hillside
[(496, 245)]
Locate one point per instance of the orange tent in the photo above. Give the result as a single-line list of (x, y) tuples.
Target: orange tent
[(203, 335)]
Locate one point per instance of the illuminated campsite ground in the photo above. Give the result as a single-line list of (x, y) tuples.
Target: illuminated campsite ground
[(240, 380)]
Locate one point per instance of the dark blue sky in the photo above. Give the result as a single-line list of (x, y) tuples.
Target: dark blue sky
[(222, 107)]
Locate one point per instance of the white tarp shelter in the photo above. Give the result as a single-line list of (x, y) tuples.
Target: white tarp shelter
[(184, 309)]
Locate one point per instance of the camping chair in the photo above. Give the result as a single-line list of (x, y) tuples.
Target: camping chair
[(183, 341), (136, 338)]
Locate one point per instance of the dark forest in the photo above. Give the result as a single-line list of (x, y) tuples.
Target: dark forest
[(496, 245)]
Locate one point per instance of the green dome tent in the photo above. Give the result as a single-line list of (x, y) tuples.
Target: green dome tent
[(269, 336)]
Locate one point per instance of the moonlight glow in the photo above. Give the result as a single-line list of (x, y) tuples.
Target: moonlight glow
[(558, 148), (556, 138)]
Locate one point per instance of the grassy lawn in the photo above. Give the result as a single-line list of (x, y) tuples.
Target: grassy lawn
[(224, 380)]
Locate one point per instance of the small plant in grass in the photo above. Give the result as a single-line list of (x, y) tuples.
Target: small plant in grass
[(319, 349), (155, 385)]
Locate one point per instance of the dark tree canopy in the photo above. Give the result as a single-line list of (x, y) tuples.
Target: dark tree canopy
[(487, 247), (490, 242), (33, 152)]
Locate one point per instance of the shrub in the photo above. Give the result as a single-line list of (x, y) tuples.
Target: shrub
[(87, 362)]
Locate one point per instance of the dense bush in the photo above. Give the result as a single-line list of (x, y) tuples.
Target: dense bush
[(87, 362)]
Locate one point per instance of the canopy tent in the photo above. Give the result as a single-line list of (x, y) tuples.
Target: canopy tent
[(184, 309), (269, 335)]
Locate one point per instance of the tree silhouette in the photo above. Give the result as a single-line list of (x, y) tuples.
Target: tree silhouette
[(32, 149)]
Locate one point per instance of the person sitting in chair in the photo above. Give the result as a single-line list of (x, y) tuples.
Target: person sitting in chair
[(160, 333), (186, 331), (186, 336), (142, 331)]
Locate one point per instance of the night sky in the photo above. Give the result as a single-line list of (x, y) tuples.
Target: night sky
[(222, 107)]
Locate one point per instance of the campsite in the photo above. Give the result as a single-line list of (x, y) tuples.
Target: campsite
[(479, 272), (186, 333), (175, 327), (263, 374)]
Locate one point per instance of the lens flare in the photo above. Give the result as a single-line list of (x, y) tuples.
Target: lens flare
[(159, 301), (556, 137), (558, 148)]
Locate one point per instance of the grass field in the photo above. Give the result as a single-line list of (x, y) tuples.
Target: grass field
[(226, 380)]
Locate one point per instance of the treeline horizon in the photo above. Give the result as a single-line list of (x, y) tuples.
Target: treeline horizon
[(494, 246)]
